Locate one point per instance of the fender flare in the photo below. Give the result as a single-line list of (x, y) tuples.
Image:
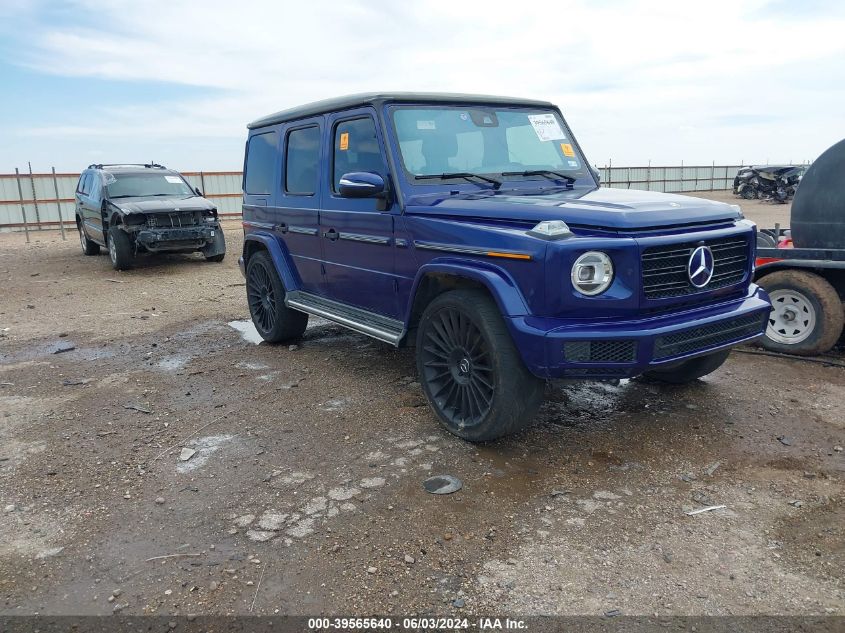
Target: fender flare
[(280, 256), (498, 282)]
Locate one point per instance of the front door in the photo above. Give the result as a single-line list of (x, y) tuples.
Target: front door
[(357, 234)]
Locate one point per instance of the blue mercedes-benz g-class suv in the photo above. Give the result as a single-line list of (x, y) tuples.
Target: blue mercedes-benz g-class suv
[(473, 228)]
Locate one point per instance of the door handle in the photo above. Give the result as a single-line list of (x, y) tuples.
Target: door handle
[(332, 235)]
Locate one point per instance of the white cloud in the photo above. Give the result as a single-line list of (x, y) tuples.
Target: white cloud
[(637, 80)]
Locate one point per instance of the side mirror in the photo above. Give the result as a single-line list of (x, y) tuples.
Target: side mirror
[(198, 192), (596, 174), (361, 184)]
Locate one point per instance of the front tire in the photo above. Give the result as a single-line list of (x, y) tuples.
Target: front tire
[(806, 317), (218, 247), (88, 247), (471, 372), (265, 293), (120, 249), (689, 370), (747, 192)]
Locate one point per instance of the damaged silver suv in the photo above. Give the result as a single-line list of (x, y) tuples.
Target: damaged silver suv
[(131, 209)]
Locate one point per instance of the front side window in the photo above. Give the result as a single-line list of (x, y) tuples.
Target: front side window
[(356, 148), (260, 163), (146, 184), (481, 140), (302, 159)]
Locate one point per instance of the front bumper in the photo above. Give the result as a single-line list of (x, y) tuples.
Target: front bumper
[(610, 348), (173, 239)]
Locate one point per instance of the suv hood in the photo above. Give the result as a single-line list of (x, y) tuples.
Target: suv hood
[(162, 205), (601, 208)]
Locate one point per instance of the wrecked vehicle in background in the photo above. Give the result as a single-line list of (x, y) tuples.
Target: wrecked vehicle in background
[(131, 209), (772, 183)]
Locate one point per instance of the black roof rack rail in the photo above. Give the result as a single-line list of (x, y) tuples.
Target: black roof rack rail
[(147, 165)]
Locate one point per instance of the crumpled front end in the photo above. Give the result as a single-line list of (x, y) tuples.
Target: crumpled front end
[(175, 231)]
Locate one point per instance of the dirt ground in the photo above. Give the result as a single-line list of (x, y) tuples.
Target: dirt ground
[(302, 489)]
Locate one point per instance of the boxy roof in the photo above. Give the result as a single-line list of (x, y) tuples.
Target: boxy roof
[(379, 98)]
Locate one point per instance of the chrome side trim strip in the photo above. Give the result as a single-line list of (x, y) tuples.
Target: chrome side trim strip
[(370, 239), (260, 225), (302, 230), (467, 250)]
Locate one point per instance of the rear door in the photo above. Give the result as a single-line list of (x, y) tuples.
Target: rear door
[(89, 209), (298, 206), (357, 234)]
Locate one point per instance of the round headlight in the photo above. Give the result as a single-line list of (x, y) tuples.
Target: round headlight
[(592, 273)]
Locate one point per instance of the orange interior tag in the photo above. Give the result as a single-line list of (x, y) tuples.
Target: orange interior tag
[(344, 141), (567, 149)]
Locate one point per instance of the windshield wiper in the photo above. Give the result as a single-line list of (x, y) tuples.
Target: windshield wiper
[(461, 174), (548, 173)]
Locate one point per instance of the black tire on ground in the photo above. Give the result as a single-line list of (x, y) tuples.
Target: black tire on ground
[(470, 370), (747, 191), (265, 294), (218, 246), (88, 247), (120, 249), (807, 316), (691, 369)]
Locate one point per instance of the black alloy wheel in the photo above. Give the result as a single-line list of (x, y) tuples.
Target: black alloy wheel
[(458, 368), (471, 373), (262, 298), (273, 320)]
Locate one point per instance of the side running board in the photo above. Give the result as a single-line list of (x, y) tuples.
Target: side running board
[(376, 325)]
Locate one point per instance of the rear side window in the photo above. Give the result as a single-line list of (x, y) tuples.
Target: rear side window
[(356, 148), (84, 183), (260, 162), (302, 161)]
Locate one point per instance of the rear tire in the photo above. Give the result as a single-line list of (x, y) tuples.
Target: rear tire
[(689, 370), (471, 372), (273, 320), (806, 317), (88, 247), (120, 249)]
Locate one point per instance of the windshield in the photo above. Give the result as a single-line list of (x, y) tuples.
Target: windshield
[(146, 184), (436, 140)]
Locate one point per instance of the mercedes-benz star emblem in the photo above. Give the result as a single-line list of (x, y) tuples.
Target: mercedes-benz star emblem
[(700, 266)]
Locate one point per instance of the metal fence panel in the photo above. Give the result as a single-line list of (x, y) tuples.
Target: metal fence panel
[(223, 188)]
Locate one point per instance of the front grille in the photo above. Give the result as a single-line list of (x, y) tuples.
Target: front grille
[(665, 267), (175, 220), (699, 338), (600, 351)]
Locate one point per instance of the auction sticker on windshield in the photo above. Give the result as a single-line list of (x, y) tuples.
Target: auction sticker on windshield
[(174, 180), (546, 127)]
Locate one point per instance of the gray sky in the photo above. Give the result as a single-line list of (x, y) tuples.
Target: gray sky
[(177, 81)]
